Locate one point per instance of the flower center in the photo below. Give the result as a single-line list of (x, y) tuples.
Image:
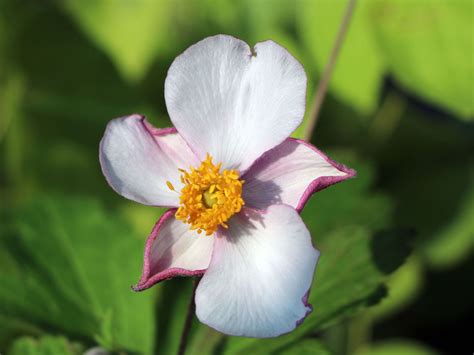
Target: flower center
[(209, 197)]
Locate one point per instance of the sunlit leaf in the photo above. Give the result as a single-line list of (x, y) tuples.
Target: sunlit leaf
[(130, 32), (224, 13), (359, 68), (269, 19), (428, 47)]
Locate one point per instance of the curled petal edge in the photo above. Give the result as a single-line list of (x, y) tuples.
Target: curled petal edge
[(324, 181), (146, 281), (154, 131)]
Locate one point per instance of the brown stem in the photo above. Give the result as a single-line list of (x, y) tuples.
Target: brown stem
[(323, 84), (189, 320)]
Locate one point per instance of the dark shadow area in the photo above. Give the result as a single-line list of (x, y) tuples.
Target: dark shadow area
[(390, 248), (441, 316)]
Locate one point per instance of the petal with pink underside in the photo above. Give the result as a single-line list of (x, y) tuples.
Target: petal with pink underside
[(174, 146), (137, 162), (289, 174), (259, 276), (235, 102), (171, 250)]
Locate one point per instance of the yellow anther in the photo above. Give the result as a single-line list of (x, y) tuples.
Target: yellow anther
[(209, 197), (170, 186)]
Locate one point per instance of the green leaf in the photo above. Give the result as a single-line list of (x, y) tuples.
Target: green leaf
[(74, 268), (11, 95), (13, 327), (397, 347), (223, 14), (305, 347), (428, 48), (46, 345), (357, 76), (270, 19), (404, 286), (130, 32)]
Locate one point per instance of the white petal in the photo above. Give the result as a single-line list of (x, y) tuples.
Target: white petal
[(259, 275), (172, 249), (232, 103), (137, 163), (289, 174), (174, 146)]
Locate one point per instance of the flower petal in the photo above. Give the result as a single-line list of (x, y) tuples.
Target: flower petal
[(232, 102), (174, 146), (259, 276), (137, 160), (289, 174), (171, 250)]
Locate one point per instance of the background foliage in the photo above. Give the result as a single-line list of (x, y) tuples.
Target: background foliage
[(397, 243)]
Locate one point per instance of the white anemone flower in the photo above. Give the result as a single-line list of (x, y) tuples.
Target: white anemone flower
[(234, 182)]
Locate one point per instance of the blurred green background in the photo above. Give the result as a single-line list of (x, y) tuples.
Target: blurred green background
[(397, 266)]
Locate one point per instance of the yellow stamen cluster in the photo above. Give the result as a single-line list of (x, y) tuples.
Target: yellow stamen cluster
[(209, 197)]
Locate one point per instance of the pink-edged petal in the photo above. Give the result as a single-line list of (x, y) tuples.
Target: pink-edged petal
[(260, 273), (289, 174), (234, 102), (171, 250), (174, 146), (138, 159)]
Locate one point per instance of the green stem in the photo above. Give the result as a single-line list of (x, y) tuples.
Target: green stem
[(323, 84), (189, 320)]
